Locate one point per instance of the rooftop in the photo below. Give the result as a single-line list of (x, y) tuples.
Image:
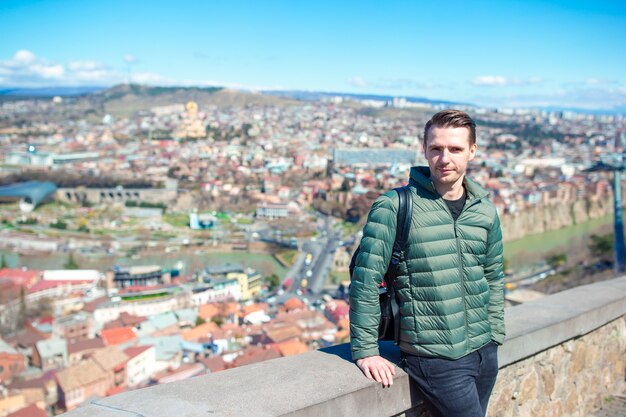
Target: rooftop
[(327, 383), (81, 375), (117, 335)]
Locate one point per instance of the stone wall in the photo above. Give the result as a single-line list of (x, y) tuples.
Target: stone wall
[(568, 380)]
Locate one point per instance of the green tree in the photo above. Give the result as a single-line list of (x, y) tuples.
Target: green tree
[(557, 260), (59, 224), (273, 281), (3, 263), (602, 246), (71, 263)]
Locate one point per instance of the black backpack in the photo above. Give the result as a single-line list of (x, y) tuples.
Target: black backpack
[(389, 326)]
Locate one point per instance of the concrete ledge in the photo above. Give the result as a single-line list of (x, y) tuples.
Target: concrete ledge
[(318, 383), (327, 383)]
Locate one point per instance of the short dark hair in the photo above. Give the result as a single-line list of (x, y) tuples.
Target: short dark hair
[(451, 118)]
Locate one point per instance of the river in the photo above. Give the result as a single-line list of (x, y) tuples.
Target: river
[(191, 261), (532, 250)]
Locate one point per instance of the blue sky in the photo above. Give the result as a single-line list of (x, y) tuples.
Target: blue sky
[(511, 53)]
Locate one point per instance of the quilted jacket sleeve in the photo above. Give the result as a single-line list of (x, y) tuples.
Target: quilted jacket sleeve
[(371, 264), (495, 277)]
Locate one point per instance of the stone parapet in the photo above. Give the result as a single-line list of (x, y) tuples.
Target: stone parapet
[(563, 355), (568, 380)]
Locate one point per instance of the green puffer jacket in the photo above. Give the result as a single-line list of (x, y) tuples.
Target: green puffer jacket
[(450, 289)]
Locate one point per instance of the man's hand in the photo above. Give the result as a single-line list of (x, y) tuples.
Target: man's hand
[(378, 368)]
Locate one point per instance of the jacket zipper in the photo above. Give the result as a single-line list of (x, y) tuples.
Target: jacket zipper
[(460, 255)]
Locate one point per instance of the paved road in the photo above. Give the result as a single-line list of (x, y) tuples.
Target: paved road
[(322, 251)]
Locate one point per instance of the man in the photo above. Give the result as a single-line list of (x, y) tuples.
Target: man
[(450, 289)]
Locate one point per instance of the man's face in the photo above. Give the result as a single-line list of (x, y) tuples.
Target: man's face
[(448, 152)]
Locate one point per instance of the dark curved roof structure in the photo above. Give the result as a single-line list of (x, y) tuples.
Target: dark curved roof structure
[(30, 194)]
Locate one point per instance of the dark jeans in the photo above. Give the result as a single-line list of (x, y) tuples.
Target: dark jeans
[(456, 388)]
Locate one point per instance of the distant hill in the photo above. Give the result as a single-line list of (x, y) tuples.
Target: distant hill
[(614, 111), (317, 95), (126, 99)]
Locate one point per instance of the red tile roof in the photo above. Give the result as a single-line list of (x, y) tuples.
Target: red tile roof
[(135, 351), (226, 309), (26, 338), (83, 345), (255, 354), (21, 277), (294, 303), (214, 364), (254, 308), (291, 347), (30, 411), (46, 285), (280, 332), (91, 306), (207, 311), (200, 331), (115, 390), (125, 320), (117, 335)]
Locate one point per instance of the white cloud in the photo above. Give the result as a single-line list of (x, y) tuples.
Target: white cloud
[(26, 69), (357, 82), (501, 81), (129, 59), (48, 71), (490, 80), (26, 66), (599, 81), (24, 57), (91, 71)]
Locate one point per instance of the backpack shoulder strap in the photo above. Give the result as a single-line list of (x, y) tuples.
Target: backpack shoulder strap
[(405, 212)]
